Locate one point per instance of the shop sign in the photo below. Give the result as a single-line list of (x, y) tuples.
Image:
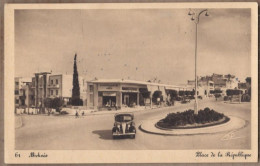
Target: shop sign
[(109, 93), (129, 89), (108, 87)]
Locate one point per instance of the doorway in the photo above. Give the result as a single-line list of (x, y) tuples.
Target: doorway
[(129, 99), (109, 101)]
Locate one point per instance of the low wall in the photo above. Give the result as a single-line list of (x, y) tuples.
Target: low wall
[(73, 111), (27, 110)]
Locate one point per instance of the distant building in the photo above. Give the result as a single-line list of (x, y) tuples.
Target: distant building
[(208, 84), (246, 86), (61, 86), (205, 86), (35, 90), (22, 92), (242, 85)]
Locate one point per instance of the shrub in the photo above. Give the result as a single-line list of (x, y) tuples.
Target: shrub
[(245, 98), (227, 98), (188, 117), (217, 95), (231, 92), (57, 103), (181, 93)]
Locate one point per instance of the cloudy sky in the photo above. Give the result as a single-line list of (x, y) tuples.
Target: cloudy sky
[(139, 44)]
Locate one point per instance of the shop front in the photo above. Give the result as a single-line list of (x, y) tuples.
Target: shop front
[(107, 99), (108, 95), (130, 95), (124, 93)]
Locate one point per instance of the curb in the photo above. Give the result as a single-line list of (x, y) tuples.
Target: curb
[(20, 123), (218, 123), (173, 132), (129, 111)]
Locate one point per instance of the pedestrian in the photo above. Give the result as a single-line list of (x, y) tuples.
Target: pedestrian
[(77, 114), (158, 101)]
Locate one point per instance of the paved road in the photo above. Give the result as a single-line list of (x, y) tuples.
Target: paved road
[(94, 132)]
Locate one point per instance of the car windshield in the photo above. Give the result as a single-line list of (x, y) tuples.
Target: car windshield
[(123, 118)]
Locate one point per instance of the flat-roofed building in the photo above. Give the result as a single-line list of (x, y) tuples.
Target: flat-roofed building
[(22, 92), (123, 93), (205, 87), (61, 85)]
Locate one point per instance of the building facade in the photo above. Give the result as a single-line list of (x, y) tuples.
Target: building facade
[(225, 81), (22, 92), (35, 90), (121, 93), (61, 86), (205, 86)]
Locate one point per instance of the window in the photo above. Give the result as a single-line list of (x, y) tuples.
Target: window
[(51, 82), (91, 98), (16, 83), (91, 88), (57, 81), (57, 92), (51, 92), (16, 101), (16, 92)]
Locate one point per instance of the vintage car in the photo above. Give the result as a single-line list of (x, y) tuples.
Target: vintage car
[(124, 125)]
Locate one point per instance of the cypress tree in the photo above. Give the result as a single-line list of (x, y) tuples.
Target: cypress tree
[(76, 89)]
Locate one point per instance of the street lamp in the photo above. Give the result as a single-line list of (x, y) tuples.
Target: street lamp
[(196, 18)]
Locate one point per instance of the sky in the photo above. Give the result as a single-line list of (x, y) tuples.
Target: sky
[(137, 44)]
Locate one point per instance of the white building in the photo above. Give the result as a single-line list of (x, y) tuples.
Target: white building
[(121, 93), (61, 86), (33, 91), (22, 91), (204, 87)]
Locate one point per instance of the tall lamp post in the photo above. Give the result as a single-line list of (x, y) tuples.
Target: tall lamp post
[(196, 18)]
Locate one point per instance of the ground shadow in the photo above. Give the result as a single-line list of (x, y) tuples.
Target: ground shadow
[(104, 134), (107, 135)]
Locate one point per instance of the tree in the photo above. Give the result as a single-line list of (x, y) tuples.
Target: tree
[(248, 80), (57, 103), (229, 77), (75, 100), (48, 104)]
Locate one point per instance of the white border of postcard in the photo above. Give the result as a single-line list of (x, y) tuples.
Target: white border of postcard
[(121, 156)]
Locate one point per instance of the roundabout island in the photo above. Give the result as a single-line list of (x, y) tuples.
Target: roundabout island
[(207, 121), (188, 119)]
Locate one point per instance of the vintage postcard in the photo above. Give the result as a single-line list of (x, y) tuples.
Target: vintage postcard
[(131, 83)]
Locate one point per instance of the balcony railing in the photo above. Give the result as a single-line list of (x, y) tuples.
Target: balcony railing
[(54, 86)]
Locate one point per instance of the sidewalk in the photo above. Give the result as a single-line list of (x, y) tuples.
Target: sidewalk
[(233, 124), (129, 110), (18, 122)]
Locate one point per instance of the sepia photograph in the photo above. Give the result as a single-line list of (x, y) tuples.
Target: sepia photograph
[(126, 79)]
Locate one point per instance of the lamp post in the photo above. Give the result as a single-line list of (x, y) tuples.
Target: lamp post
[(196, 18)]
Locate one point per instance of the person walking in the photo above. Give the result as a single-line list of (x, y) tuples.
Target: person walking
[(77, 114)]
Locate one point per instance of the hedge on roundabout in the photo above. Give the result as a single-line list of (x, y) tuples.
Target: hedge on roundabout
[(187, 119)]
